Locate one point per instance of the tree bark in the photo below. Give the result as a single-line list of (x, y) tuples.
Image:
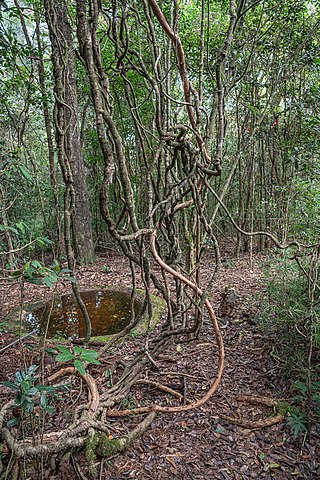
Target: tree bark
[(81, 219)]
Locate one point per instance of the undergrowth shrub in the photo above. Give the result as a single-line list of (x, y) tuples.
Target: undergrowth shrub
[(284, 307), (289, 307)]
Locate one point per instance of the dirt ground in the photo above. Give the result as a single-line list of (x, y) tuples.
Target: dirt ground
[(200, 444)]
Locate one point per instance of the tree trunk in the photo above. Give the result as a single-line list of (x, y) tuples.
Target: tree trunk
[(81, 220)]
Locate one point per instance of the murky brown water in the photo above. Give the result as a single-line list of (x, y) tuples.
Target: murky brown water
[(109, 312)]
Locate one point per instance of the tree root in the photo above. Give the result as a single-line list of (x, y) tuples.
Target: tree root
[(94, 394), (219, 340), (257, 400), (163, 388), (92, 434), (256, 424), (54, 442), (76, 435), (106, 446)]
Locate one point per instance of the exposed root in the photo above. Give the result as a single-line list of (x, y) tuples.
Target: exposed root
[(21, 449), (257, 400), (107, 447), (92, 434), (255, 424), (163, 388), (54, 442), (94, 400), (219, 340)]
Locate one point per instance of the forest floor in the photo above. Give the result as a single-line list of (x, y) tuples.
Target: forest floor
[(200, 444)]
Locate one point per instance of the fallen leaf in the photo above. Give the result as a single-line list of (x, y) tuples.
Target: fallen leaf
[(171, 460)]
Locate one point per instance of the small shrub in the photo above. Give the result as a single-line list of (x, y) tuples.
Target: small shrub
[(29, 394)]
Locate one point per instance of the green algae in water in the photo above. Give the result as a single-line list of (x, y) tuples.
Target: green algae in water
[(109, 311)]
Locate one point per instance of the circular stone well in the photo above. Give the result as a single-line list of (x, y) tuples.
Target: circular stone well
[(110, 311)]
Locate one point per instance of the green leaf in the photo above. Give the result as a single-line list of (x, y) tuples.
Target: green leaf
[(63, 349), (32, 370), (40, 242), (28, 406), (25, 385), (297, 422), (64, 357), (20, 376), (50, 409), (33, 281), (12, 385), (93, 361), (16, 273), (51, 351), (7, 227), (70, 279), (12, 229), (26, 266), (36, 264), (33, 391), (46, 240), (21, 227), (43, 241), (45, 388), (25, 172), (65, 270), (48, 281), (19, 399), (80, 367), (13, 422), (78, 350), (43, 401), (89, 356)]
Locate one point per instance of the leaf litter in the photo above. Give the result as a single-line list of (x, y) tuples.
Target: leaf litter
[(198, 444)]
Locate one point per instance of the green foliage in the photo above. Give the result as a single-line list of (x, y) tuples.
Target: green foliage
[(308, 394), (294, 321), (106, 269), (129, 403), (29, 394), (285, 309), (108, 375), (35, 272), (20, 234), (306, 205), (79, 356), (298, 423)]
